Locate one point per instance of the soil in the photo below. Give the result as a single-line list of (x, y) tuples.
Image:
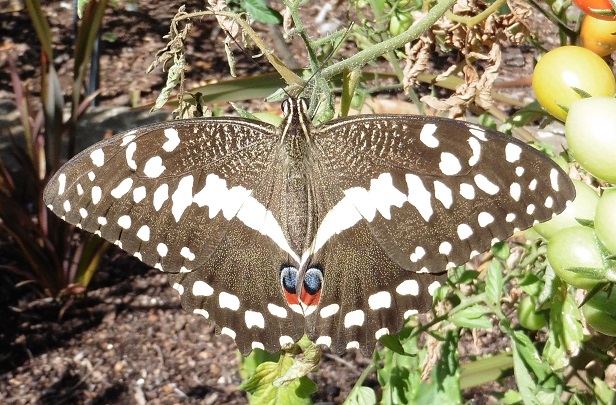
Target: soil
[(128, 340)]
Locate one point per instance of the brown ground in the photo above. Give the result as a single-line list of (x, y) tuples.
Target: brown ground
[(129, 341)]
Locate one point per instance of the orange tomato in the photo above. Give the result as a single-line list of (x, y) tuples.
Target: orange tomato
[(598, 35)]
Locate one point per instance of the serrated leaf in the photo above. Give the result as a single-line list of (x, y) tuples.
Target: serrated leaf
[(565, 334), (260, 11), (261, 387), (472, 317)]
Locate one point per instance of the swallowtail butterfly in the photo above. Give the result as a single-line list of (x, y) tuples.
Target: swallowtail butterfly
[(339, 231)]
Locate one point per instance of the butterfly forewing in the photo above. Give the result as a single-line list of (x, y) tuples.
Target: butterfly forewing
[(340, 231)]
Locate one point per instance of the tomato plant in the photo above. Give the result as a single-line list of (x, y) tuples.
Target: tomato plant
[(528, 316), (598, 35), (600, 312), (605, 220), (602, 9), (591, 134), (575, 247), (564, 69), (400, 22), (583, 207)]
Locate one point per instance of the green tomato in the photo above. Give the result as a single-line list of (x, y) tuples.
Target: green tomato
[(582, 207), (600, 312), (591, 134), (528, 315), (575, 247), (561, 69), (605, 220)]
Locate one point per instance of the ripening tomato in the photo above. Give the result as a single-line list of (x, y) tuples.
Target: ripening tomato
[(528, 316), (598, 35), (591, 134), (568, 67), (601, 9)]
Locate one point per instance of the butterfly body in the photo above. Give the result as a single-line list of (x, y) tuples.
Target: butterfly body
[(339, 231)]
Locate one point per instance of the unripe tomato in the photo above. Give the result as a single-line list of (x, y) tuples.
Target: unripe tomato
[(598, 35), (399, 23), (601, 9), (575, 247), (605, 220), (600, 312), (528, 315), (583, 207), (564, 68), (591, 135)]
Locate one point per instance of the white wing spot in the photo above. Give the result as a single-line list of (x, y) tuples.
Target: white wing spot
[(408, 287), (178, 287), (485, 219), (379, 300), (423, 270), (154, 167), (98, 157), (124, 221), (515, 191), (139, 194), (533, 184), (102, 221), (354, 318), (519, 171), (130, 152), (476, 148), (128, 137), (554, 179), (427, 136), (443, 194), (122, 188), (486, 185), (276, 310), (467, 191), (257, 345), (226, 300), (187, 254), (285, 341), (410, 313), (331, 309), (512, 152), (549, 202), (464, 231), (182, 197), (479, 132), (324, 340), (449, 164), (144, 233), (473, 254), (418, 254), (254, 318), (67, 205), (162, 249), (229, 332), (61, 183), (202, 289), (91, 176), (510, 217), (433, 287), (83, 212), (381, 332), (444, 248), (202, 312), (173, 140), (419, 197), (352, 345), (160, 196), (138, 255), (79, 189), (530, 210)]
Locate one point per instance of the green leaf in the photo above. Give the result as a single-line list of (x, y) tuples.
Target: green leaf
[(260, 11), (444, 387), (473, 317), (501, 250), (399, 375), (361, 396), (494, 282), (262, 390), (565, 334)]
